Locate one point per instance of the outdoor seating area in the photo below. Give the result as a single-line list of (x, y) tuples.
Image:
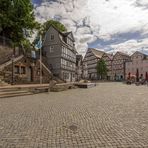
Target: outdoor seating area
[(135, 79)]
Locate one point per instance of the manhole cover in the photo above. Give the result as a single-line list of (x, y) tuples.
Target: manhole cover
[(73, 127)]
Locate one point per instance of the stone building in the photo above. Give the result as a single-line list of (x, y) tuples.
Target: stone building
[(108, 60), (60, 53), (79, 66), (118, 66), (138, 63), (90, 60), (22, 69)]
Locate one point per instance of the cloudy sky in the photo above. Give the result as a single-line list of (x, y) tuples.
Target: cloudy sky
[(109, 25)]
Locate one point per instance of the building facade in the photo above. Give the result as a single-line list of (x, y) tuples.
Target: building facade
[(108, 60), (118, 66), (90, 60), (138, 63), (24, 70), (60, 53), (79, 66)]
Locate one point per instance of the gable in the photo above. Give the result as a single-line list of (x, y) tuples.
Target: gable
[(117, 56), (70, 35), (136, 54), (88, 54), (48, 39)]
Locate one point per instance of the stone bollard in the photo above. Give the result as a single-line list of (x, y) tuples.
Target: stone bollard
[(52, 83)]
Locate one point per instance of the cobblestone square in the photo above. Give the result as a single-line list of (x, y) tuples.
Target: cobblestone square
[(110, 115)]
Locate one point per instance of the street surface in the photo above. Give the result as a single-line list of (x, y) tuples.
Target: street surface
[(110, 115)]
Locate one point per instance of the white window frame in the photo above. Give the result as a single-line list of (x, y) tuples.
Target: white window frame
[(51, 49)]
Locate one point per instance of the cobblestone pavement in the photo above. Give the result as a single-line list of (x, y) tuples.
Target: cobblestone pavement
[(110, 115)]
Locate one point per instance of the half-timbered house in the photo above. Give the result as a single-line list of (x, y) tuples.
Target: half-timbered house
[(118, 66), (90, 60), (108, 60), (138, 63), (60, 53)]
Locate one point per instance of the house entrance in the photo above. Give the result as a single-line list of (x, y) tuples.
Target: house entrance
[(30, 74)]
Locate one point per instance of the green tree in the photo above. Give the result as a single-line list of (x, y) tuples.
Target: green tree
[(16, 17), (56, 24), (101, 69)]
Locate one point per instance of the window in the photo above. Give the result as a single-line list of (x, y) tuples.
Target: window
[(51, 37), (65, 75), (16, 69), (51, 49), (23, 70)]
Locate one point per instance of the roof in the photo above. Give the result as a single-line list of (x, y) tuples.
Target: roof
[(97, 53), (65, 34), (141, 52), (109, 55), (122, 54)]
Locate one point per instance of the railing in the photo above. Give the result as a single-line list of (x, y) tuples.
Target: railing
[(10, 62)]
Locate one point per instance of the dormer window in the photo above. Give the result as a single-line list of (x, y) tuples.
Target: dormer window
[(51, 37)]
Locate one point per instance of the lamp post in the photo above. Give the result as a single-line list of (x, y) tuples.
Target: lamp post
[(12, 78), (41, 66)]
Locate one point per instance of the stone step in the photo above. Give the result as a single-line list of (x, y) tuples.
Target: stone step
[(21, 90), (4, 89), (5, 95), (13, 92)]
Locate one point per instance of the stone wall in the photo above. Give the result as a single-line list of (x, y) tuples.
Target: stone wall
[(26, 70)]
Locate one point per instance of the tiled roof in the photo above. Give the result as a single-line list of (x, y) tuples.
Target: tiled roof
[(109, 55), (123, 54), (97, 53), (66, 33)]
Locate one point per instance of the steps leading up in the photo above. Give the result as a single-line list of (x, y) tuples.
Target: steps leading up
[(8, 95), (13, 92), (22, 90)]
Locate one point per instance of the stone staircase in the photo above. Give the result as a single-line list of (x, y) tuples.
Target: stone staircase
[(13, 92), (2, 66), (22, 90)]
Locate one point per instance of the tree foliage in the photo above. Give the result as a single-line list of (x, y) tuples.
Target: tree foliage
[(101, 68), (56, 24), (15, 17)]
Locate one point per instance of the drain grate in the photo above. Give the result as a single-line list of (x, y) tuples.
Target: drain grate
[(73, 128)]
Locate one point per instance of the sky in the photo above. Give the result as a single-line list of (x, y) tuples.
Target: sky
[(108, 25)]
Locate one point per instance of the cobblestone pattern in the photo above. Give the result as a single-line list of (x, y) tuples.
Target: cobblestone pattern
[(111, 115)]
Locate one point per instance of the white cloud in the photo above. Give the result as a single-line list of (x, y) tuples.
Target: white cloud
[(131, 46), (89, 19)]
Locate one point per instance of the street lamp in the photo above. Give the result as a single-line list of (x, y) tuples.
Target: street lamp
[(12, 78)]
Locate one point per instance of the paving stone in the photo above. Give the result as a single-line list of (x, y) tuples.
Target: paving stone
[(110, 115)]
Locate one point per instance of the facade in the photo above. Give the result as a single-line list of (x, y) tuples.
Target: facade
[(108, 60), (79, 66), (138, 62), (118, 66), (60, 53), (90, 60), (22, 70)]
